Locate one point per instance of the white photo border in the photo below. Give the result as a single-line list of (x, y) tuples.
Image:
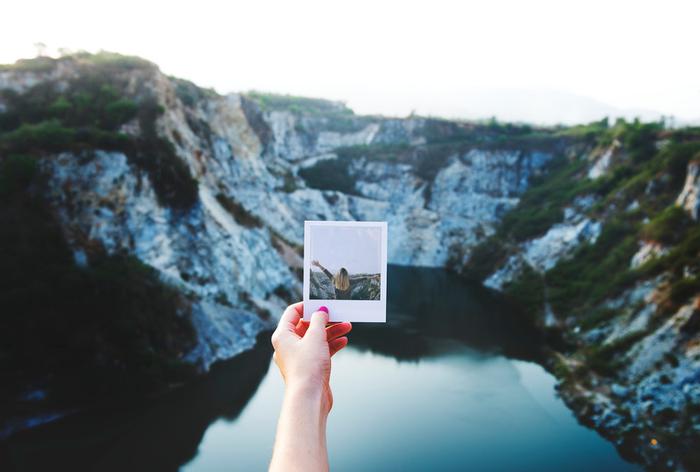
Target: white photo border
[(372, 311)]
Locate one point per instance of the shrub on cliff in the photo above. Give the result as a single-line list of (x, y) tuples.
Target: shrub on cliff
[(595, 270), (298, 105), (543, 204), (87, 114), (107, 328), (667, 227), (169, 174), (639, 139), (330, 174), (242, 216)]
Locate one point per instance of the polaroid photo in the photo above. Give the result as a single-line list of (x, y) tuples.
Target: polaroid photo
[(345, 269)]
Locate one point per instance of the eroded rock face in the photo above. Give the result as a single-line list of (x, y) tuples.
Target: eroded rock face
[(203, 251), (602, 163), (648, 250), (634, 375), (321, 286), (543, 253), (689, 198), (657, 389), (236, 250)]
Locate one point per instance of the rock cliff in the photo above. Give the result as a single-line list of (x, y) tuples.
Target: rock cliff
[(592, 228), (128, 178), (261, 165), (611, 268)]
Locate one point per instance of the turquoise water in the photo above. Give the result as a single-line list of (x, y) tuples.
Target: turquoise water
[(449, 383), (439, 388), (460, 410)]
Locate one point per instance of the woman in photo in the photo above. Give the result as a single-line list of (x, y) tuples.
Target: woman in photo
[(341, 281)]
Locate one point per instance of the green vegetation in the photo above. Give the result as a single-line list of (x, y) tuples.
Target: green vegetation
[(606, 359), (485, 257), (681, 263), (299, 105), (169, 174), (105, 329), (111, 61), (597, 316), (668, 226), (443, 139), (330, 174), (426, 160), (529, 290), (242, 216), (289, 183), (189, 93), (88, 114), (648, 170), (676, 156), (684, 288), (662, 174), (639, 140), (595, 271), (324, 114), (37, 64), (590, 132), (543, 205), (682, 256), (490, 134)]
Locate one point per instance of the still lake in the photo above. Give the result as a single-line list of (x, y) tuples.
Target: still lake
[(449, 383)]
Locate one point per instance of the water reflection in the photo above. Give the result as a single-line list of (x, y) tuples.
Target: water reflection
[(158, 434), (426, 305), (437, 387)]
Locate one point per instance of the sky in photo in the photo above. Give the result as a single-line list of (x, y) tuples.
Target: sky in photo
[(538, 60), (356, 249)]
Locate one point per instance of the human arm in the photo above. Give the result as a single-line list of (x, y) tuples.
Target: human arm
[(325, 271), (303, 353)]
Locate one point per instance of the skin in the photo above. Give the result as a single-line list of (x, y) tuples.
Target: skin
[(303, 352)]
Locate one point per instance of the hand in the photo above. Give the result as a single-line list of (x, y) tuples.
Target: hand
[(303, 351), (316, 263)]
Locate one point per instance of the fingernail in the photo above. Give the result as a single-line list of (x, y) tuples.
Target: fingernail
[(323, 308)]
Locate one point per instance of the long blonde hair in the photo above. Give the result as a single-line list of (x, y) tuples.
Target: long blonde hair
[(342, 279)]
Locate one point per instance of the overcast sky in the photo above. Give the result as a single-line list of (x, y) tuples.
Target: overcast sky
[(531, 59), (357, 249)]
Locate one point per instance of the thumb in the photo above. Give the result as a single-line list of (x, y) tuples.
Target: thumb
[(317, 326)]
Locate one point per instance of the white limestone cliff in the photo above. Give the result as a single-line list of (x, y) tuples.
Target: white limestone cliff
[(234, 271), (689, 198)]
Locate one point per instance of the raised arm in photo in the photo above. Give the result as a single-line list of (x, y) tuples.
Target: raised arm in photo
[(325, 271)]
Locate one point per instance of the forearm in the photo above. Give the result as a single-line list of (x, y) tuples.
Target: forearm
[(327, 272), (300, 444)]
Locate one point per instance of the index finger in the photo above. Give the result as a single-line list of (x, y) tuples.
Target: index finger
[(291, 316)]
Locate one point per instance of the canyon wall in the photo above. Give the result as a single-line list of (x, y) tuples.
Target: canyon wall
[(592, 229), (260, 170)]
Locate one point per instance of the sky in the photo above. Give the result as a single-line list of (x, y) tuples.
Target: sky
[(529, 60), (356, 249)]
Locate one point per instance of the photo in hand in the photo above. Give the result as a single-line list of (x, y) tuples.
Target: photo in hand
[(345, 269)]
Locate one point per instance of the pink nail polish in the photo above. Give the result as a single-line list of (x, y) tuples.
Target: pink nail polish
[(323, 308)]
